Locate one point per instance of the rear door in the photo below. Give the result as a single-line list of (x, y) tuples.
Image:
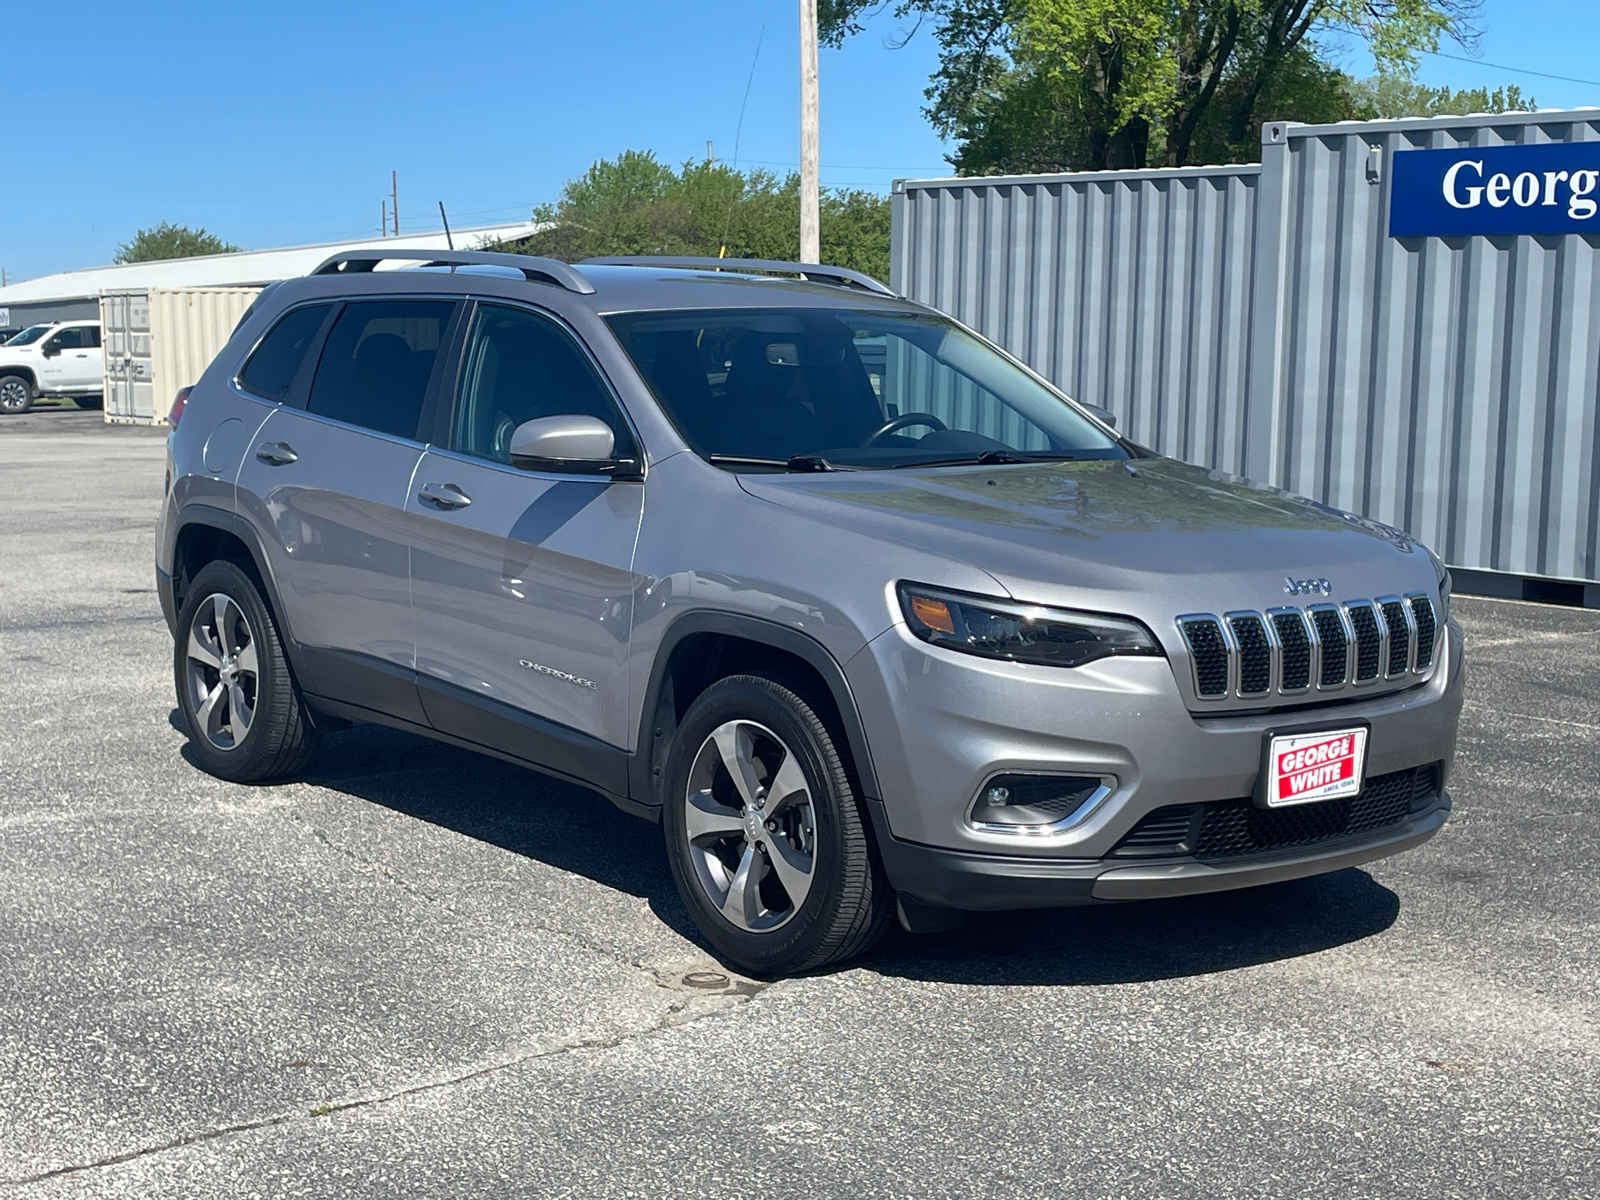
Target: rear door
[(521, 581), (326, 481)]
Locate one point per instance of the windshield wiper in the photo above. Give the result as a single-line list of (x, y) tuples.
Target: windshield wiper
[(992, 458), (795, 462)]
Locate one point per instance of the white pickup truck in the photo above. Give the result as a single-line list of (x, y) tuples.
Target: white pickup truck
[(51, 360)]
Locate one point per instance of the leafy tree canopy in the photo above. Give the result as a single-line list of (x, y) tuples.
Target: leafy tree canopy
[(1056, 84), (1398, 94), (636, 204), (167, 240)]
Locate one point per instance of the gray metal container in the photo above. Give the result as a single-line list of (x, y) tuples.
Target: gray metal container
[(1261, 320)]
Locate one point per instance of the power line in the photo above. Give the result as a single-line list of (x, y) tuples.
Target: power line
[(1478, 62), (769, 162)]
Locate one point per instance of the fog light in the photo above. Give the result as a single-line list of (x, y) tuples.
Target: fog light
[(1038, 803)]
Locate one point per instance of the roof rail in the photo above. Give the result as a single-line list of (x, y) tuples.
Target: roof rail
[(841, 276), (537, 270)]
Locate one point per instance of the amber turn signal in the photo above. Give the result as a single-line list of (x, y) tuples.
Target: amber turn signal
[(935, 614)]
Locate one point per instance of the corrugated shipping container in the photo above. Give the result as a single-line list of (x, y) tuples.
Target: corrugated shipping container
[(1261, 320), (158, 340)]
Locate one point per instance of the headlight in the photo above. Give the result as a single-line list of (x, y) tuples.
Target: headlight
[(1050, 637)]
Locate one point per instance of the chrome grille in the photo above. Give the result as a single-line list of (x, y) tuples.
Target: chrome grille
[(1397, 617), (1255, 653), (1369, 640), (1329, 622), (1320, 649), (1290, 626), (1422, 613), (1209, 653)]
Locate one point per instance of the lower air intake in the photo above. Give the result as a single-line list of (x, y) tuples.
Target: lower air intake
[(1238, 829)]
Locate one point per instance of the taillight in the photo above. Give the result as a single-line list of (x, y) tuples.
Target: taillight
[(182, 399)]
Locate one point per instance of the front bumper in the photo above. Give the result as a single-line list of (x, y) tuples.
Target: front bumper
[(955, 879), (940, 724)]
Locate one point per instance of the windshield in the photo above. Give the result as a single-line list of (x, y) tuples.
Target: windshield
[(851, 389), (30, 335)]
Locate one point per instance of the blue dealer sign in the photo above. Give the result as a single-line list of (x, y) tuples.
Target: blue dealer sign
[(1501, 189)]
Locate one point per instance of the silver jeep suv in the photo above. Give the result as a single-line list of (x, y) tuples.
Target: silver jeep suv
[(867, 615)]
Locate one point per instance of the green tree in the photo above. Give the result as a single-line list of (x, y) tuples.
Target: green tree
[(1398, 94), (1049, 84), (167, 240), (636, 204)]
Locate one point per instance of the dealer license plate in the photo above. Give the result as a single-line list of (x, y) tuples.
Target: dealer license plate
[(1304, 768)]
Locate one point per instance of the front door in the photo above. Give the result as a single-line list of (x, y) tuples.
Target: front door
[(521, 581), (63, 360), (327, 486)]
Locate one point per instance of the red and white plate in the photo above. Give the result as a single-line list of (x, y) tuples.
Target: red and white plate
[(1303, 768)]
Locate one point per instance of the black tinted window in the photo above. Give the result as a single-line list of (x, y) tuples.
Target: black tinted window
[(271, 369), (520, 366), (91, 337), (376, 362), (67, 339), (864, 389)]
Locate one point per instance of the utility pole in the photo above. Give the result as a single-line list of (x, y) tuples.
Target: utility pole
[(383, 218), (394, 196), (810, 206)]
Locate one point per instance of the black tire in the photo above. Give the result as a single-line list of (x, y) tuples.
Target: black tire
[(89, 401), (16, 394), (279, 738), (849, 904)]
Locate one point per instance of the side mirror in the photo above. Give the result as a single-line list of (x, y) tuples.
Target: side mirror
[(1104, 414), (50, 350), (581, 444)]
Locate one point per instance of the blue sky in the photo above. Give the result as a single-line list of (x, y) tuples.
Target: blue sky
[(277, 124)]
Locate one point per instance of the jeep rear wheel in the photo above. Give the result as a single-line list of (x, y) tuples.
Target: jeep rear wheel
[(765, 835), (241, 708), (16, 394)]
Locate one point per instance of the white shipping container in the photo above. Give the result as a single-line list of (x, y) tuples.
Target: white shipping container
[(158, 340)]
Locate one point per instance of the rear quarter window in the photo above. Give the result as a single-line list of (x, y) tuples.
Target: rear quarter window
[(271, 368)]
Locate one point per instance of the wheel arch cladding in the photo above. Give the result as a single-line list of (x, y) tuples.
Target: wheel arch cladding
[(703, 647), (208, 535)]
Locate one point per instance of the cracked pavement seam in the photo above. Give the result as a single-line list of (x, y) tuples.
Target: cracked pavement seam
[(690, 1010)]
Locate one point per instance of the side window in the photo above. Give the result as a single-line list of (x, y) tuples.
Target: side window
[(520, 366), (65, 339), (376, 363), (272, 368), (91, 337)]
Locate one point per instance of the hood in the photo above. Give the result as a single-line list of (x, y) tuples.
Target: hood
[(1144, 536)]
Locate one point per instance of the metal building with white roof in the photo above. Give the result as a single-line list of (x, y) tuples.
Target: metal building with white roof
[(75, 295)]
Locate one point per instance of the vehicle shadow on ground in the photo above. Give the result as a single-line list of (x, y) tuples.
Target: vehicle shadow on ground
[(576, 830), (1148, 940)]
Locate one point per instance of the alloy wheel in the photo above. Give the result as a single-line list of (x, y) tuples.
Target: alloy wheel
[(222, 673), (752, 826), (13, 394)]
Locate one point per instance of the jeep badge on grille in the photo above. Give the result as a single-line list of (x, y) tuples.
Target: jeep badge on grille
[(1307, 587)]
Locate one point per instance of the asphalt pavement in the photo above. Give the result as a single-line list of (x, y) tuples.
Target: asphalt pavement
[(418, 972)]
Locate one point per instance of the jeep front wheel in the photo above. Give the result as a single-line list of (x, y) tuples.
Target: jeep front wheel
[(765, 835)]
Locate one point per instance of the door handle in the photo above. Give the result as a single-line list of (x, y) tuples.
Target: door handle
[(445, 495), (276, 454)]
